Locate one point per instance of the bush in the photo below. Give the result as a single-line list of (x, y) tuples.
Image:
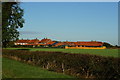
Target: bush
[(79, 65)]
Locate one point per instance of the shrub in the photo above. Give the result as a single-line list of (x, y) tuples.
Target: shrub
[(79, 65)]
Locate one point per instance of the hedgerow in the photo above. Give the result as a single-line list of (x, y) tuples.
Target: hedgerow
[(79, 65)]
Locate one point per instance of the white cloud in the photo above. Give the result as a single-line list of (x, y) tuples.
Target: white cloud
[(29, 32)]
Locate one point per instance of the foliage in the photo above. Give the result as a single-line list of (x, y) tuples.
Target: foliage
[(107, 45), (79, 65), (11, 20)]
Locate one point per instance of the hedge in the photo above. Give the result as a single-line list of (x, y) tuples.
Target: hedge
[(79, 65)]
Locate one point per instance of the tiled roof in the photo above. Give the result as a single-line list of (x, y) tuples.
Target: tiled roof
[(45, 40), (59, 44), (80, 43), (22, 41), (33, 41), (27, 41), (89, 43), (50, 43), (69, 43)]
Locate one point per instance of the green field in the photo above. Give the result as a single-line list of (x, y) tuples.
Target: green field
[(15, 69), (101, 52), (0, 67)]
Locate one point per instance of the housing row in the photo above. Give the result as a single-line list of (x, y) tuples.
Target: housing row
[(66, 44)]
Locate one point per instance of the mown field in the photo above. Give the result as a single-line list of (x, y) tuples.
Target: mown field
[(16, 69), (101, 52)]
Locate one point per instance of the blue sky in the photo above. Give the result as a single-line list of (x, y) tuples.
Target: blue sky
[(71, 21)]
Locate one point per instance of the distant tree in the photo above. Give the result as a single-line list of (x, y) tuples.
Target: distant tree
[(117, 46), (107, 45), (11, 44), (12, 19)]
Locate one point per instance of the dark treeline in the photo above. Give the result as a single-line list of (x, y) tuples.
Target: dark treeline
[(78, 65)]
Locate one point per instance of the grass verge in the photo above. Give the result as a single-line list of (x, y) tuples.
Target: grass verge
[(15, 69)]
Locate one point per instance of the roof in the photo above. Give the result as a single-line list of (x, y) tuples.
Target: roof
[(89, 43), (59, 44), (80, 43), (69, 43), (45, 40), (50, 43), (27, 41), (22, 41), (33, 41)]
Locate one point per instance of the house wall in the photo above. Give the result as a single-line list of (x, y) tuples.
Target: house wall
[(103, 47), (21, 43)]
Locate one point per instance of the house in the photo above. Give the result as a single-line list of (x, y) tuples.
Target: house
[(59, 44), (21, 42), (64, 44), (27, 42), (81, 45), (67, 45), (87, 45), (33, 42), (45, 41), (50, 43)]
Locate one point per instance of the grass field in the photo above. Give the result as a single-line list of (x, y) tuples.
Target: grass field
[(101, 52), (15, 69), (0, 67)]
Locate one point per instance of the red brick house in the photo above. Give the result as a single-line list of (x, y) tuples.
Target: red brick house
[(21, 42), (89, 44), (48, 42), (27, 42), (80, 44), (45, 41)]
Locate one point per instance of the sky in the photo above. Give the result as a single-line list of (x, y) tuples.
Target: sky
[(71, 21), (60, 0)]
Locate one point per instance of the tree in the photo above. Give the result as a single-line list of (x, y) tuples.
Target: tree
[(12, 19), (107, 45)]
